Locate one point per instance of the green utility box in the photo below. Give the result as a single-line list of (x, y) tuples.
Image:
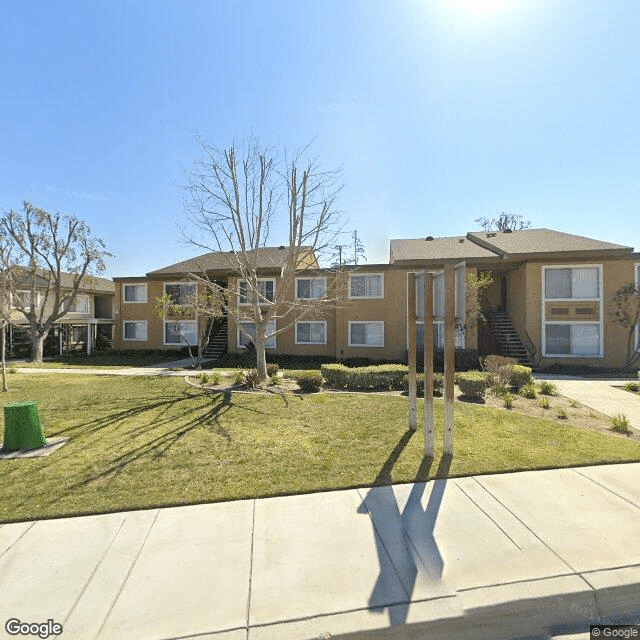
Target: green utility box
[(22, 428)]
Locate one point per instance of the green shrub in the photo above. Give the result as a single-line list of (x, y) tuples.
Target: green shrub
[(252, 378), (272, 369), (309, 382), (620, 423), (377, 377), (519, 376), (529, 391), (561, 414), (215, 377), (335, 374), (473, 384), (438, 384), (275, 380), (573, 403), (238, 377), (548, 388), (203, 377), (507, 399), (632, 386), (544, 403)]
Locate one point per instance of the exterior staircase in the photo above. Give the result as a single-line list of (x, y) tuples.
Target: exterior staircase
[(218, 343), (507, 338)]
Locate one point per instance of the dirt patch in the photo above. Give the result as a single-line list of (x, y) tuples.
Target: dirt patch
[(561, 409)]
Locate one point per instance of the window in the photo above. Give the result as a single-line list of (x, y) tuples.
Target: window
[(311, 332), (79, 305), (135, 292), (23, 299), (181, 293), (366, 286), (565, 283), (135, 330), (366, 334), (310, 288), (438, 336), (573, 339), (266, 289), (180, 332), (582, 336), (250, 327)]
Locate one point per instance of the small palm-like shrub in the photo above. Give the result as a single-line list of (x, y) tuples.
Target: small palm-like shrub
[(573, 403), (548, 388), (272, 369), (309, 382), (507, 399), (275, 380), (620, 423), (544, 403), (561, 414), (238, 377), (252, 378), (529, 391)]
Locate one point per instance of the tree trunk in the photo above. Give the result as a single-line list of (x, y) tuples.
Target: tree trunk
[(4, 362), (37, 348), (261, 359)]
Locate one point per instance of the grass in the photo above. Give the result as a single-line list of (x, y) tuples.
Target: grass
[(147, 441), (110, 359)]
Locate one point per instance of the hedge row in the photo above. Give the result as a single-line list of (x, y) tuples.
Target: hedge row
[(384, 376), (438, 384)]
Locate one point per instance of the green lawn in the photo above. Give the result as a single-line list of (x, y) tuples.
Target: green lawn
[(106, 360), (141, 442)]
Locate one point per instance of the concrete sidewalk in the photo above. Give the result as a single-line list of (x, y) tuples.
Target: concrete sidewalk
[(161, 369), (603, 395), (524, 555)]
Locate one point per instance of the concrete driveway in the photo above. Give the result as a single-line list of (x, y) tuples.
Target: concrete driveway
[(603, 395)]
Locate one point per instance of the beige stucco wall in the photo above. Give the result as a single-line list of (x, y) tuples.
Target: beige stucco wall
[(614, 274)]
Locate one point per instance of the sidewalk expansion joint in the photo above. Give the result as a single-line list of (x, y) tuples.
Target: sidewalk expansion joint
[(524, 524), (93, 573), (488, 516), (205, 634), (606, 488), (124, 581), (19, 538), (253, 529)]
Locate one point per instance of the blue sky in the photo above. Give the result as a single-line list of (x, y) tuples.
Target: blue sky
[(439, 111)]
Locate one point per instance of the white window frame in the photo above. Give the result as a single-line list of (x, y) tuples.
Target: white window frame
[(85, 297), (322, 322), (19, 291), (360, 275), (260, 302), (553, 301), (366, 346), (181, 284), (313, 279), (135, 284), (178, 344), (124, 332), (266, 346)]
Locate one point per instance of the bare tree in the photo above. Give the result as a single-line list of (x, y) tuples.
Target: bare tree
[(504, 221), (203, 306), (337, 256), (54, 255), (358, 248), (235, 198), (5, 302), (626, 312)]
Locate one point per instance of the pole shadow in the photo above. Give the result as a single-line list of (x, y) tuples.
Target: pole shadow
[(404, 534)]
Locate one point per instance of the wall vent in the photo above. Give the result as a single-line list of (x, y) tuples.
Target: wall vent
[(560, 311)]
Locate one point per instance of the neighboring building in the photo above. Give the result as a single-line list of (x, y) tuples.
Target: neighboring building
[(548, 301), (87, 325)]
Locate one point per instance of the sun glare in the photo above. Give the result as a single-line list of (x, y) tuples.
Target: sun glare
[(478, 6)]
